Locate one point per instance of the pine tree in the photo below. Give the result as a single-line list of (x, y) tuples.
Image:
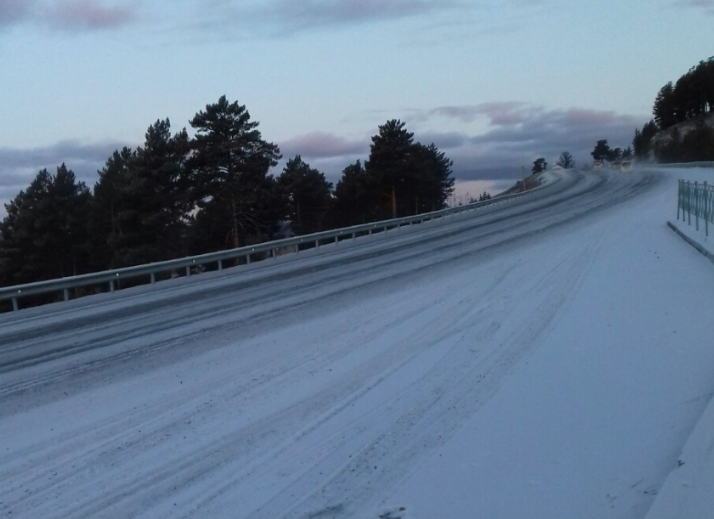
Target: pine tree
[(354, 198), (232, 161), (565, 161), (45, 234), (389, 163), (307, 194)]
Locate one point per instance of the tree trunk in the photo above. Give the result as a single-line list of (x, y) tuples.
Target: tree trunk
[(235, 224)]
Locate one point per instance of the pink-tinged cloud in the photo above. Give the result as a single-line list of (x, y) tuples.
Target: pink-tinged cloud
[(87, 15), (518, 133), (498, 114), (322, 145), (14, 11)]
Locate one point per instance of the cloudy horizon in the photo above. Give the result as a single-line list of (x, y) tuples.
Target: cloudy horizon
[(494, 85)]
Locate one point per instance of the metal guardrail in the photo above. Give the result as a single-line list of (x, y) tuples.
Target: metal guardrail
[(697, 200), (114, 277), (685, 165)]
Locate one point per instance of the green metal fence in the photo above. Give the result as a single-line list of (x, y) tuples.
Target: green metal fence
[(696, 201)]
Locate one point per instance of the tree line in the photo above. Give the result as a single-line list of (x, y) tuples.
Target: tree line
[(177, 195), (691, 98)]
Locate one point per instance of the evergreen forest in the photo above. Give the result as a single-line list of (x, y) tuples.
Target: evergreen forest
[(177, 195)]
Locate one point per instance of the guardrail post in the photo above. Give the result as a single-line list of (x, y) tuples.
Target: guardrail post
[(111, 285), (220, 264), (696, 204), (707, 207), (247, 259), (66, 294), (15, 305), (153, 278)]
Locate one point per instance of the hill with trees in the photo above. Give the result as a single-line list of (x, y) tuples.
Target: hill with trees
[(682, 128)]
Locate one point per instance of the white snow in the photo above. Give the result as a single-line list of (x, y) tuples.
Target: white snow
[(546, 360)]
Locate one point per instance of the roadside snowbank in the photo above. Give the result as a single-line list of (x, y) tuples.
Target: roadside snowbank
[(687, 492)]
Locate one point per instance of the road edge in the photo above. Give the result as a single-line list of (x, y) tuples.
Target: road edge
[(687, 490), (692, 242)]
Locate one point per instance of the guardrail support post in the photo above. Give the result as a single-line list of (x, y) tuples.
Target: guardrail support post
[(220, 264), (15, 305), (66, 294), (188, 271), (707, 207), (247, 259), (153, 278), (111, 285)]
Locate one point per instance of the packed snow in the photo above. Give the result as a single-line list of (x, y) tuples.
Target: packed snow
[(547, 358)]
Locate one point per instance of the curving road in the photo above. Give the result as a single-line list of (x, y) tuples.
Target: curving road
[(309, 386)]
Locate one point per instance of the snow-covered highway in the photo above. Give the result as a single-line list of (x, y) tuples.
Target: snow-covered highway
[(543, 359)]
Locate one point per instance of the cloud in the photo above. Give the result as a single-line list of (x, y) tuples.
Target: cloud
[(67, 15), (503, 113), (14, 11), (288, 17), (18, 167), (705, 5), (502, 149), (87, 15), (322, 145), (316, 13), (517, 133)]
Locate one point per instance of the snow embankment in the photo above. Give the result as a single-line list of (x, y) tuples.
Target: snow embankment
[(687, 492)]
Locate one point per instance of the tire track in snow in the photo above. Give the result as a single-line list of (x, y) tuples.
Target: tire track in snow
[(141, 471)]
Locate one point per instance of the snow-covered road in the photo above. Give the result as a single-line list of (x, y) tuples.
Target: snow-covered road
[(545, 359)]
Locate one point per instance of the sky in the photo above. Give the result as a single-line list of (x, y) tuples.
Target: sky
[(494, 84)]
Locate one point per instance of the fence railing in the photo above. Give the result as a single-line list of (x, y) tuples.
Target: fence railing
[(696, 200), (111, 280)]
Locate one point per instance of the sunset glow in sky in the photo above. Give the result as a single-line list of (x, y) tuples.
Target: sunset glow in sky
[(495, 84)]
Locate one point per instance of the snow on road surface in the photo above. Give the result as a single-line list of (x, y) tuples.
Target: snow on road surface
[(545, 359)]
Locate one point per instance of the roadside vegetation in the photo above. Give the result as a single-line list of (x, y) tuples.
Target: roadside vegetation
[(177, 195)]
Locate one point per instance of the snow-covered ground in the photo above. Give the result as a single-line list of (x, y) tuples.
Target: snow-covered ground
[(546, 359), (688, 491)]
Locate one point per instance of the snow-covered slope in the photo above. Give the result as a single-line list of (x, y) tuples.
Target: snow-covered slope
[(546, 360)]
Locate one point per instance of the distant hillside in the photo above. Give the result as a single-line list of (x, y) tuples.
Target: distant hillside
[(665, 136), (688, 141)]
